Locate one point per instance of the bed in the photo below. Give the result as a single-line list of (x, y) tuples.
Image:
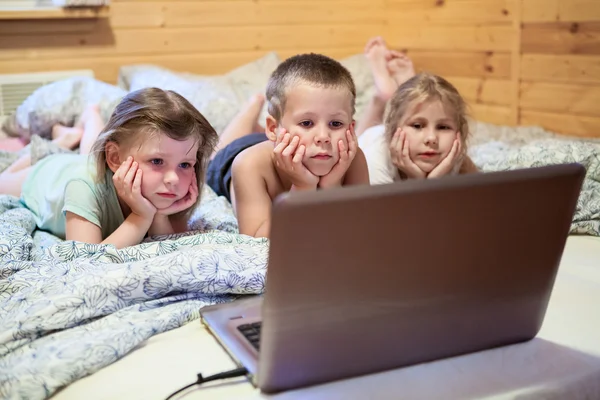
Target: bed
[(89, 321)]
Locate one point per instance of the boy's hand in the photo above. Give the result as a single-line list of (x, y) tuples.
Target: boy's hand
[(448, 164), (401, 157), (288, 157), (335, 177), (185, 202), (128, 183)]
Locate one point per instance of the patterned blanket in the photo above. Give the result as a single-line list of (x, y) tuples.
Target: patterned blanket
[(67, 310), (497, 148)]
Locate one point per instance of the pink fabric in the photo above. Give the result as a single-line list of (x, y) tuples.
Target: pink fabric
[(11, 144)]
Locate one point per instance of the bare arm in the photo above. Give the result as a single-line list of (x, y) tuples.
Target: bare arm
[(250, 198), (358, 172), (130, 233)]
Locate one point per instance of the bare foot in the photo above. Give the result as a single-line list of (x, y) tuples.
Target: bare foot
[(66, 137), (400, 67), (376, 52)]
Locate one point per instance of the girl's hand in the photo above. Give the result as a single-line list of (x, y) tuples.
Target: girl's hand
[(449, 163), (401, 156), (185, 202), (335, 177), (128, 183), (288, 156)]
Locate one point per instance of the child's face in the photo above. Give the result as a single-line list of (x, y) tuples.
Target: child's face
[(431, 131), (319, 117), (167, 166)]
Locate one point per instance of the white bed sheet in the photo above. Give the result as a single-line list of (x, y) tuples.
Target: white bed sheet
[(562, 362)]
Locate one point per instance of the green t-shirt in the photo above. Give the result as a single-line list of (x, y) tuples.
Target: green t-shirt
[(65, 182)]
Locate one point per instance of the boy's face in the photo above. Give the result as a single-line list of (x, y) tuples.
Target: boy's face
[(320, 117), (430, 131)]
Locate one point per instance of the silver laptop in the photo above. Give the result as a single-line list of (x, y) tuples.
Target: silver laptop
[(369, 278)]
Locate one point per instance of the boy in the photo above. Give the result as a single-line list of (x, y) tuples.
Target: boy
[(311, 142)]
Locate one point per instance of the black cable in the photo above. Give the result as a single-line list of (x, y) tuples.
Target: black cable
[(234, 373)]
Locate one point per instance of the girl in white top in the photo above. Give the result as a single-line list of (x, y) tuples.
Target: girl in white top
[(426, 130)]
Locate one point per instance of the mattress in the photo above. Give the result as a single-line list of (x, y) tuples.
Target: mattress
[(562, 362)]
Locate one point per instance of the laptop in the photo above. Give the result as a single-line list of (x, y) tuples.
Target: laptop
[(370, 278)]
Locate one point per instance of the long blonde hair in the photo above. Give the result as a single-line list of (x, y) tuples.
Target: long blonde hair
[(426, 87), (153, 111)]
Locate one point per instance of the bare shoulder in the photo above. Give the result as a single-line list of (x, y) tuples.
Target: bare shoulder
[(255, 161), (358, 172), (468, 166)]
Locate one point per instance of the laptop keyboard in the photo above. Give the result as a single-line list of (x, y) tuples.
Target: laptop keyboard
[(252, 333)]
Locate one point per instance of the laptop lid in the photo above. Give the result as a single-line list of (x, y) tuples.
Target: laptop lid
[(364, 279)]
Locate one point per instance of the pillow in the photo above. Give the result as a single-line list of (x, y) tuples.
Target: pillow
[(217, 97), (363, 80), (62, 102)]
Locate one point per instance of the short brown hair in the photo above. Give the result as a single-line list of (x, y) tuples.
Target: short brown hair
[(425, 87), (311, 68), (151, 111)]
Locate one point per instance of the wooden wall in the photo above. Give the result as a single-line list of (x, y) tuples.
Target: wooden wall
[(516, 61)]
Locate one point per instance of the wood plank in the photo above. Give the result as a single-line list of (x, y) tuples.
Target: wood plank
[(561, 10), (55, 12), (498, 115), (562, 123), (560, 68), (137, 14), (465, 64), (515, 55), (461, 38), (108, 42), (47, 26), (107, 68), (562, 98), (561, 38), (480, 90), (466, 12), (219, 13)]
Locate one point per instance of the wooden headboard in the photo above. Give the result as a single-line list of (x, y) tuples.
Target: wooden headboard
[(516, 61)]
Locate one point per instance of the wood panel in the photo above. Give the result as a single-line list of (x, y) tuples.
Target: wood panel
[(461, 38), (561, 68), (561, 98), (104, 41), (466, 64), (561, 10), (465, 12), (562, 123), (483, 91), (493, 114), (561, 38), (514, 61), (275, 12), (106, 68)]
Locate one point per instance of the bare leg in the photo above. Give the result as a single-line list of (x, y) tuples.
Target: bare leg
[(400, 69), (12, 178), (92, 124), (66, 137), (244, 123), (377, 55)]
